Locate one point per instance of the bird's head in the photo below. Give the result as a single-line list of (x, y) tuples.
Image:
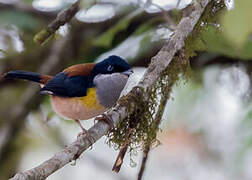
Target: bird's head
[(112, 64)]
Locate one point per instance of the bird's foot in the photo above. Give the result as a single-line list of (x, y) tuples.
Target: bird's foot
[(84, 132), (90, 138), (106, 119)]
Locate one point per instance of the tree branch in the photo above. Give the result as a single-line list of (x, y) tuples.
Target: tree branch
[(159, 64), (162, 104), (16, 117), (144, 161), (30, 98), (59, 54), (62, 18)]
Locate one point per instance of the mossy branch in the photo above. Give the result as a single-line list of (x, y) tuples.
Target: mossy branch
[(62, 18), (159, 64), (179, 66)]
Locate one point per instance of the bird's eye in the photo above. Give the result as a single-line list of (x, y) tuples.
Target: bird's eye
[(110, 68)]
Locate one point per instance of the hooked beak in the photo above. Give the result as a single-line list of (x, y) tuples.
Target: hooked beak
[(128, 72)]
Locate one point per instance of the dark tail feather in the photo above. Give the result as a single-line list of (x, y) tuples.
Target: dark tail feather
[(30, 76)]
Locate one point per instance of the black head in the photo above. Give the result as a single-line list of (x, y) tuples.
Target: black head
[(112, 64)]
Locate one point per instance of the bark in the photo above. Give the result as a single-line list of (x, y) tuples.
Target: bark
[(159, 64)]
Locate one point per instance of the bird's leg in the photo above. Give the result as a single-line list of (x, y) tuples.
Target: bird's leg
[(85, 132), (106, 119)]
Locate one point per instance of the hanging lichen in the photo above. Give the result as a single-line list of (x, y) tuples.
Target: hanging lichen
[(142, 108), (209, 19), (140, 122)]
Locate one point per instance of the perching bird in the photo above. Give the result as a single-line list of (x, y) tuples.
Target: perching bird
[(82, 91)]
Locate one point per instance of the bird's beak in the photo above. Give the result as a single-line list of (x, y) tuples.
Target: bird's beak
[(128, 72)]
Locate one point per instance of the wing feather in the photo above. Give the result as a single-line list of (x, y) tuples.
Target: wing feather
[(64, 86), (79, 69)]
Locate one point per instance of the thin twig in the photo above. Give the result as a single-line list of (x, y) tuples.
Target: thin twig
[(123, 150), (144, 161), (163, 101), (158, 65), (62, 18), (162, 104)]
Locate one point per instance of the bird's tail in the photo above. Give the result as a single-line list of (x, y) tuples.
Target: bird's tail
[(30, 76)]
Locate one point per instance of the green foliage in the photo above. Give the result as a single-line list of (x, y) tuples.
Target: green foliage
[(28, 1), (149, 25), (213, 40), (146, 43), (19, 19), (236, 23), (210, 36), (106, 39), (209, 18)]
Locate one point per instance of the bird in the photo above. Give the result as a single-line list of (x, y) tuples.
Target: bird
[(82, 91)]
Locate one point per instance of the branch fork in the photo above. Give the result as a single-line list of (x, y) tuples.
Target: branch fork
[(159, 64)]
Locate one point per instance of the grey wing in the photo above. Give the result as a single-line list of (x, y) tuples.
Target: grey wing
[(109, 87)]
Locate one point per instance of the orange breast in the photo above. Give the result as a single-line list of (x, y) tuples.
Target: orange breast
[(79, 108)]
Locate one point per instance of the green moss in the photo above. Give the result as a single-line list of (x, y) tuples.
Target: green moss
[(142, 117), (142, 114), (210, 35), (209, 19)]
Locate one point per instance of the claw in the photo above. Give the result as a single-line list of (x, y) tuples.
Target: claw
[(90, 138)]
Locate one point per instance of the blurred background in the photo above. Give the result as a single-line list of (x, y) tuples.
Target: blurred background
[(207, 125)]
